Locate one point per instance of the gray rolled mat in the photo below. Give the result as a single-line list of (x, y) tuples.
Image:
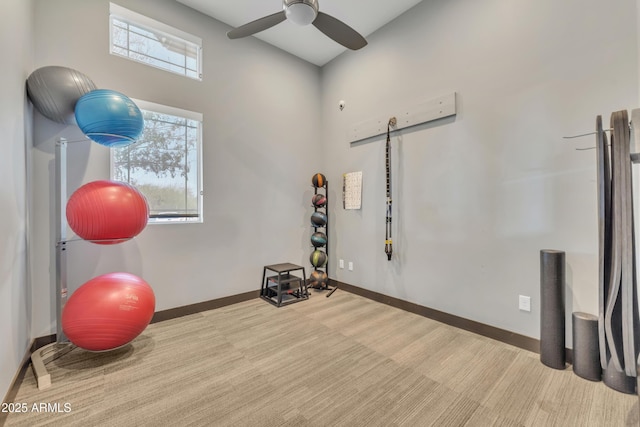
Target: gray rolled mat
[(552, 341), (618, 380), (620, 124), (586, 351), (604, 234), (613, 309)]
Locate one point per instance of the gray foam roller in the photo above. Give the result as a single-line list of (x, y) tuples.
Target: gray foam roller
[(586, 349), (552, 324), (54, 92)]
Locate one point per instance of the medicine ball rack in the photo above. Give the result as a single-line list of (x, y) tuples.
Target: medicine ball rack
[(325, 188)]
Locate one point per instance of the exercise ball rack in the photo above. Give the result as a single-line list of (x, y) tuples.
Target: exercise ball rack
[(46, 354)]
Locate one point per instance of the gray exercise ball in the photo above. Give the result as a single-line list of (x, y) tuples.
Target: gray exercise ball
[(54, 91)]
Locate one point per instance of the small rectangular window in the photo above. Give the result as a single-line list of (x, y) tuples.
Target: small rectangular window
[(165, 163), (151, 42)]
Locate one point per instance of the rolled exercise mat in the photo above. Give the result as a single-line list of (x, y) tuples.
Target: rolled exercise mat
[(586, 350), (552, 340), (638, 377), (618, 380), (605, 235)]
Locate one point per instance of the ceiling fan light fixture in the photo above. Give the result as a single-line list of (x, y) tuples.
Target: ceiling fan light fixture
[(301, 12), (304, 12)]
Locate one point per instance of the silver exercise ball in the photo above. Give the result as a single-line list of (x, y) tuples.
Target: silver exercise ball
[(54, 91)]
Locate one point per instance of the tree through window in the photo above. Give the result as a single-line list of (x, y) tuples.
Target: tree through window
[(164, 164)]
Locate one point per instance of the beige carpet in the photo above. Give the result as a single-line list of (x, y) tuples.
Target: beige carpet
[(339, 361)]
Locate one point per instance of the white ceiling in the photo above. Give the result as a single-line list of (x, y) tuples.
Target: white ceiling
[(308, 43)]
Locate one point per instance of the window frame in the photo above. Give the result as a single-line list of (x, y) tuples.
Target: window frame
[(145, 23), (189, 115)]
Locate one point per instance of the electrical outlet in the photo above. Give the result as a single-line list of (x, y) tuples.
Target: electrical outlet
[(524, 303), (350, 266), (341, 263)]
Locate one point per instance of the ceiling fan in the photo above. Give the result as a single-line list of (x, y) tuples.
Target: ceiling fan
[(304, 12)]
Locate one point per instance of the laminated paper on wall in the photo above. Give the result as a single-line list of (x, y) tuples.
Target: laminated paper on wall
[(352, 190)]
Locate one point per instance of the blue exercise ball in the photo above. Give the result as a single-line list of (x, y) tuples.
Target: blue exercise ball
[(109, 118), (54, 92)]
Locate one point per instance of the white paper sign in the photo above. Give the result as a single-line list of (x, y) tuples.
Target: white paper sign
[(352, 190)]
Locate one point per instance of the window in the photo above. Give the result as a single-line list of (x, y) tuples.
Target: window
[(146, 40), (165, 163)]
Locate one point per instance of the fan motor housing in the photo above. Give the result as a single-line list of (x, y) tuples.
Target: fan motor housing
[(301, 12)]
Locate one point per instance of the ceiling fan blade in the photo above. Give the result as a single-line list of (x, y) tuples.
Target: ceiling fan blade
[(339, 31), (257, 25)]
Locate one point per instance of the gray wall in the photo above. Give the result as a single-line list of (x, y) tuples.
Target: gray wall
[(476, 198), (15, 305), (261, 147)]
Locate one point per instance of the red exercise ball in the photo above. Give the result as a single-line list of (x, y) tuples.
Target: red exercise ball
[(107, 212), (108, 311)]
